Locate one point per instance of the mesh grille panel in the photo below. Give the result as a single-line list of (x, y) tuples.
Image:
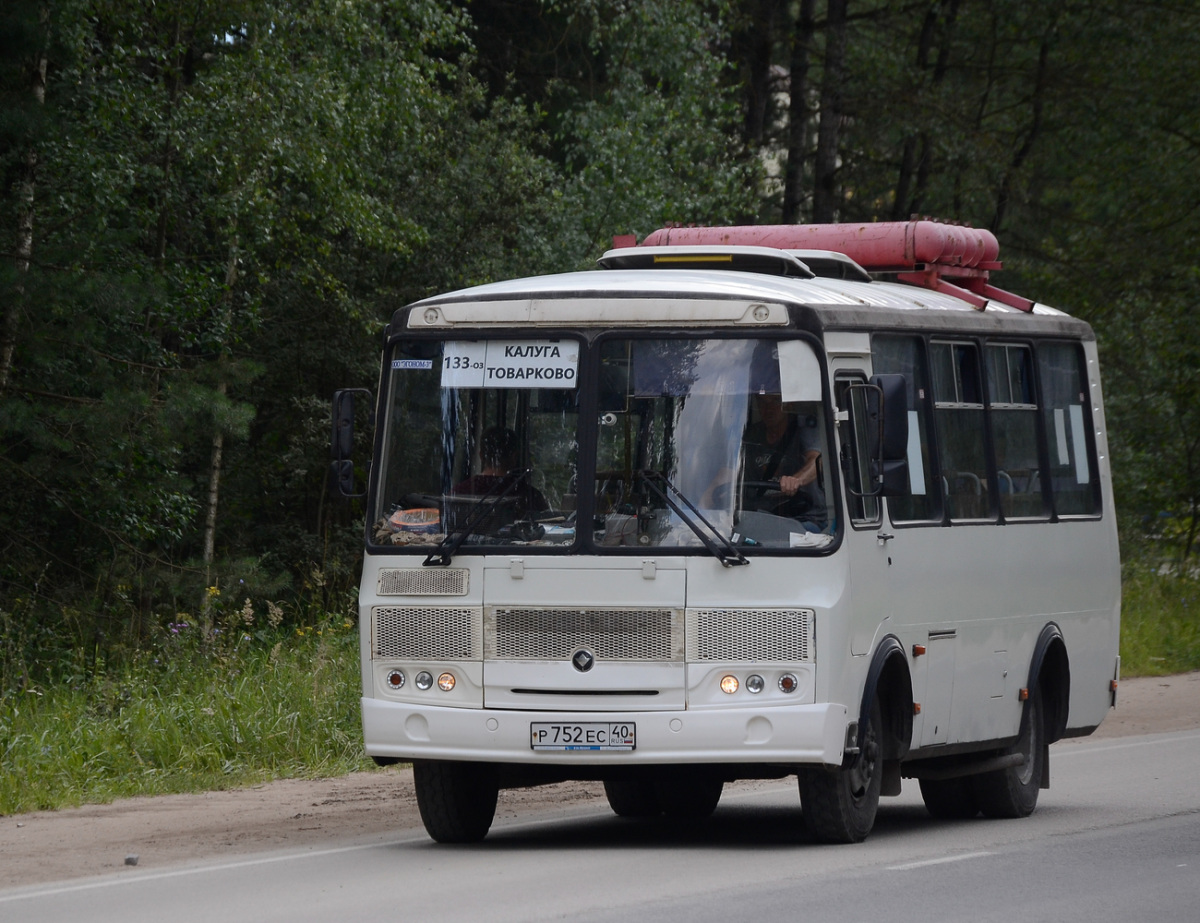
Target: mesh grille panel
[(427, 633), (610, 634), (423, 581), (758, 635)]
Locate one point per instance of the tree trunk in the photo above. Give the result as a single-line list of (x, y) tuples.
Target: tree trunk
[(825, 198), (24, 242), (757, 45), (218, 446), (1004, 193), (214, 494), (797, 138), (916, 158)]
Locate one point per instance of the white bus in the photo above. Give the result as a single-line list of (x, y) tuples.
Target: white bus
[(742, 503)]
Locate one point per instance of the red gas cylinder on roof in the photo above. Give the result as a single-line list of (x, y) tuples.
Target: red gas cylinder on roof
[(878, 247), (945, 257)]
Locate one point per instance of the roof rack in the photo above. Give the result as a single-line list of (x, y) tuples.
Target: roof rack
[(947, 258)]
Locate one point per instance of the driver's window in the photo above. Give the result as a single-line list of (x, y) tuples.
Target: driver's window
[(856, 454)]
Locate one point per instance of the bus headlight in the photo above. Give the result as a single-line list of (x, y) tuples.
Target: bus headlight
[(729, 684), (395, 679), (424, 680), (788, 683), (755, 683), (446, 682)]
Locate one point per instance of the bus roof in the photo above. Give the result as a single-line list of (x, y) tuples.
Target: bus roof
[(891, 274), (691, 297)]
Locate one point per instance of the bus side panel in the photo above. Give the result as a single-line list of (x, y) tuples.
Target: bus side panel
[(975, 598)]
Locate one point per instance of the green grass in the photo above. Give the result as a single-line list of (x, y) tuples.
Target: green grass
[(1160, 623), (187, 717)]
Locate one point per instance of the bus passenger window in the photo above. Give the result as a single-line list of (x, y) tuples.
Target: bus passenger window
[(1067, 419), (958, 404), (1013, 404), (902, 355)]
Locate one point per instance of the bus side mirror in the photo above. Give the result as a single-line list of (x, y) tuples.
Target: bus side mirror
[(887, 408), (342, 442)]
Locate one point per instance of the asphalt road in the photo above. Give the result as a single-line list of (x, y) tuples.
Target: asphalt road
[(1117, 837)]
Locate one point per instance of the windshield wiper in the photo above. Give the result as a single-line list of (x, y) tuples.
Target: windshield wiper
[(722, 549), (475, 515)]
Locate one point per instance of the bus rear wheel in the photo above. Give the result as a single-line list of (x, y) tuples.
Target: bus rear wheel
[(457, 801), (1013, 792), (840, 806)]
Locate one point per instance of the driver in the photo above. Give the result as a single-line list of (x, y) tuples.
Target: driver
[(778, 447)]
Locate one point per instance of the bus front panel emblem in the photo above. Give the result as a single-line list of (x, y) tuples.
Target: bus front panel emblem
[(583, 661)]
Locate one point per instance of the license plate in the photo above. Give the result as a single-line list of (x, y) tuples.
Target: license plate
[(591, 735)]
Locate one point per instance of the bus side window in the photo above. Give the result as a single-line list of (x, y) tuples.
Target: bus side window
[(958, 408), (1014, 415), (903, 355), (856, 455), (1067, 420)]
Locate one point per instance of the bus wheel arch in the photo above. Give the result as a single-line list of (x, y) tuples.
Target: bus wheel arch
[(1050, 673), (889, 680)]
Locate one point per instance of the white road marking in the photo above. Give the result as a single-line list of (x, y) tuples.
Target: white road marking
[(908, 866)]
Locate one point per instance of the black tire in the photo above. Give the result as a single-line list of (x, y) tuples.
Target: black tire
[(1013, 792), (635, 798), (687, 795), (950, 799), (457, 801), (840, 806)]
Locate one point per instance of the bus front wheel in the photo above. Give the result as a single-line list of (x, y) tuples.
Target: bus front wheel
[(457, 801), (840, 806), (633, 797)]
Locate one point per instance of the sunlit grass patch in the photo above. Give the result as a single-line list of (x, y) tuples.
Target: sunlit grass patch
[(187, 716), (1160, 622)]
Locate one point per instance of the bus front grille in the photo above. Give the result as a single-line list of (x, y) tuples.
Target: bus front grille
[(752, 635), (527, 633), (427, 633), (422, 581), (609, 634)]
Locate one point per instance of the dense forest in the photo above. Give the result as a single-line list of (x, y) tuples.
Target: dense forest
[(209, 209)]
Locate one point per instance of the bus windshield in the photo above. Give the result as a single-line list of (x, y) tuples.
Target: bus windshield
[(688, 440)]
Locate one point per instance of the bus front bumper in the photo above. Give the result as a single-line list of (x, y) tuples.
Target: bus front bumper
[(800, 734)]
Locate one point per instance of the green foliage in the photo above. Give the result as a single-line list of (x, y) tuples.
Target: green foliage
[(652, 142), (249, 704), (1160, 628)]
